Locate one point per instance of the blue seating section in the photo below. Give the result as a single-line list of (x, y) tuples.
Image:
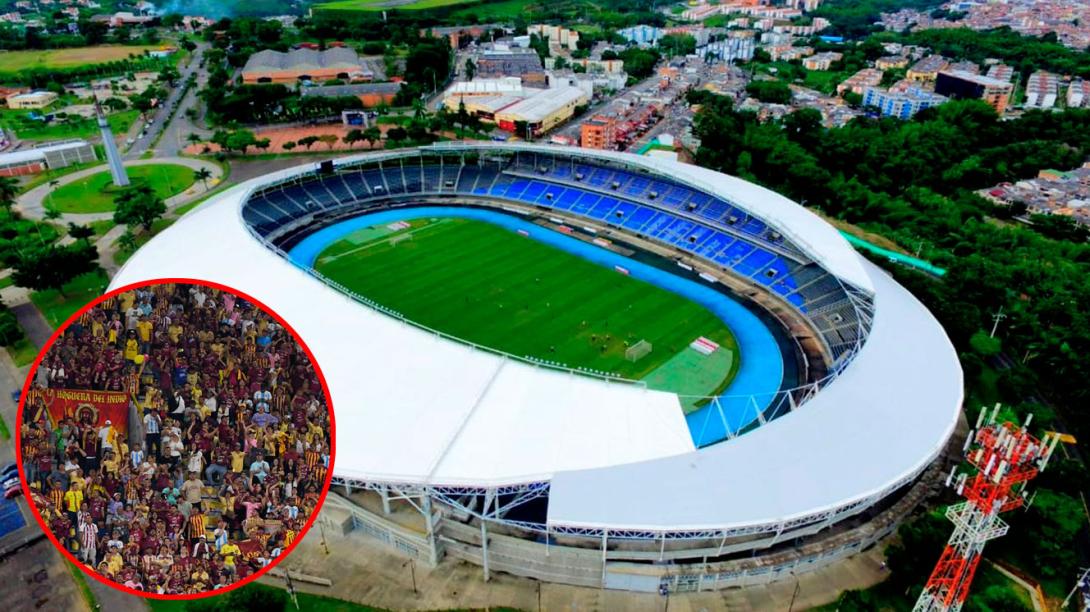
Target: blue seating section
[(713, 229), (648, 190)]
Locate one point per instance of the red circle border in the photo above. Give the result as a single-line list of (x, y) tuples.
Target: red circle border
[(19, 427)]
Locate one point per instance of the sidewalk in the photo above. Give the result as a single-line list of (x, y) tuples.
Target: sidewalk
[(32, 203), (364, 571)]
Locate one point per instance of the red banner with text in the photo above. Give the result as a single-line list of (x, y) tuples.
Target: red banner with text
[(85, 407)]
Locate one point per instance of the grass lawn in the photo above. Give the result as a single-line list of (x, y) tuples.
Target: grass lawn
[(95, 193), (123, 255), (13, 61), (307, 602), (381, 5), (504, 9), (22, 352), (7, 281), (18, 122), (56, 306), (824, 81), (5, 433), (523, 297)]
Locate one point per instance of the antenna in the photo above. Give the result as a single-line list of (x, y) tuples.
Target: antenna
[(1017, 457)]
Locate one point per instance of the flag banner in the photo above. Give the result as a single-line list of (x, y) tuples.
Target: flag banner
[(523, 232), (86, 406), (621, 270)]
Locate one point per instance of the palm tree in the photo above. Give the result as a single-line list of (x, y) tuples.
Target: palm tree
[(52, 188), (202, 175), (9, 189)]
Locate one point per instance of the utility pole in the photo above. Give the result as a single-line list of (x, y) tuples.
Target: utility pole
[(996, 318), (1081, 582)]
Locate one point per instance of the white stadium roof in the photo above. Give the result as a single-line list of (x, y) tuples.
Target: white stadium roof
[(412, 407)]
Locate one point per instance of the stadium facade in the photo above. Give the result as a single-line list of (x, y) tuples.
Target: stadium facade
[(575, 477)]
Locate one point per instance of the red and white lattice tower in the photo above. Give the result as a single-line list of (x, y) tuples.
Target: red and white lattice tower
[(1005, 458)]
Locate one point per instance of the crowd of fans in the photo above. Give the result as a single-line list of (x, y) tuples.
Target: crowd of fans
[(226, 450)]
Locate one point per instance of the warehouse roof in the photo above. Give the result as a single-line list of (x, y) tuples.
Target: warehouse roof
[(303, 59)]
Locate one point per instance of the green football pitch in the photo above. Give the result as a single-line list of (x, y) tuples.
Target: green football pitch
[(494, 287)]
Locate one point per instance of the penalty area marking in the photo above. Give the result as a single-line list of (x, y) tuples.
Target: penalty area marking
[(381, 240)]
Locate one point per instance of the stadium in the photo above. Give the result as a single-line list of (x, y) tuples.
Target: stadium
[(588, 367)]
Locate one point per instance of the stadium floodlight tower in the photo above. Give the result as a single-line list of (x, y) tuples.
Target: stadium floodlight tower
[(1006, 457)]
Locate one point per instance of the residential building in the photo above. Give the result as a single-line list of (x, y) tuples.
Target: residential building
[(1042, 90), (559, 37), (33, 99), (903, 105), (966, 66), (787, 53), (927, 69), (270, 66), (822, 61), (597, 133), (965, 85), (860, 81), (1078, 94), (1001, 72), (891, 62), (642, 34)]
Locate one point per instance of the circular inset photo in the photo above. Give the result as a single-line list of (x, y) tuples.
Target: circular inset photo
[(175, 439)]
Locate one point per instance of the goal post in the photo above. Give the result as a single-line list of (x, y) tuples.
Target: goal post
[(637, 351)]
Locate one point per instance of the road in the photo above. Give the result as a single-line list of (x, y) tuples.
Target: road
[(175, 131)]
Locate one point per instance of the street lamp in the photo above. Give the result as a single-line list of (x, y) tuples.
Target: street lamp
[(412, 573)]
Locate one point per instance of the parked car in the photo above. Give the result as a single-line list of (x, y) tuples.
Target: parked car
[(11, 486)]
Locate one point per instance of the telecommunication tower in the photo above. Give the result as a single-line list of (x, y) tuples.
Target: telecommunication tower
[(1004, 457)]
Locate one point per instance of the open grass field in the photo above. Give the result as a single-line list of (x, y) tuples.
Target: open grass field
[(14, 61), (385, 5), (491, 286), (95, 193), (18, 121)]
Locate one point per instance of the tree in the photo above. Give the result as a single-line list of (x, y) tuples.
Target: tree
[(289, 145), (127, 241), (328, 140), (169, 74), (985, 345), (308, 141), (372, 135), (263, 144), (9, 190), (240, 140), (202, 175), (470, 69), (772, 92), (82, 233), (53, 266), (677, 44), (10, 330), (396, 134), (352, 137), (193, 138), (138, 206)]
